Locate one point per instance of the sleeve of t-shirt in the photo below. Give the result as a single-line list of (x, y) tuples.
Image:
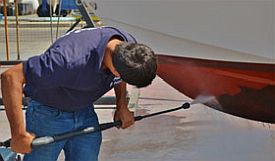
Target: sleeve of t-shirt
[(46, 70)]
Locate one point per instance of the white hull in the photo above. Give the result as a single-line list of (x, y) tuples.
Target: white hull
[(241, 30)]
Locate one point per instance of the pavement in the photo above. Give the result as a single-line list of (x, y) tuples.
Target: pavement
[(197, 134)]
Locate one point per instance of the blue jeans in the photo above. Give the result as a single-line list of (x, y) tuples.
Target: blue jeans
[(43, 120)]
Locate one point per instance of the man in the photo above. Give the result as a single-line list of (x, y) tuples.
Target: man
[(64, 82)]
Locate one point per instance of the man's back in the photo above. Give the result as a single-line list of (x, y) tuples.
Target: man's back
[(69, 73)]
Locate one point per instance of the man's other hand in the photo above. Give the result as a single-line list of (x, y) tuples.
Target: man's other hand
[(125, 116)]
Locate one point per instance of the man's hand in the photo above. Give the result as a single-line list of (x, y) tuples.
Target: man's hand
[(22, 143), (12, 81), (125, 116), (122, 112)]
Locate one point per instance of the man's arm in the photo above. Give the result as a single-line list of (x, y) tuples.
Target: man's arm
[(12, 82), (122, 112)]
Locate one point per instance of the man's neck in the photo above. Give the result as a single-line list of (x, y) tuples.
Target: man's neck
[(112, 45), (109, 51)]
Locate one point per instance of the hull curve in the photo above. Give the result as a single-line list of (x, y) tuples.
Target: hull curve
[(246, 90)]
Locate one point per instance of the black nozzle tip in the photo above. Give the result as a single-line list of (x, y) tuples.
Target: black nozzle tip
[(186, 105)]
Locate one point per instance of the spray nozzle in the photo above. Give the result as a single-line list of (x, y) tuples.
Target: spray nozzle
[(186, 105)]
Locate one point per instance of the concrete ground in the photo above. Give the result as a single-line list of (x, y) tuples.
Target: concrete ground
[(196, 134)]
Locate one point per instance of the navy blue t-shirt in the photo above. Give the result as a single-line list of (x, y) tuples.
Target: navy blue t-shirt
[(68, 76)]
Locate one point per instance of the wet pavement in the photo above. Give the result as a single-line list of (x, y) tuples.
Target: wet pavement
[(196, 134)]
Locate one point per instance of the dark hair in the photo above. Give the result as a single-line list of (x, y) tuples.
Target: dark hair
[(136, 63)]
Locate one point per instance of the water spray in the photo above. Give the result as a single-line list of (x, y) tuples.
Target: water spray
[(203, 99)]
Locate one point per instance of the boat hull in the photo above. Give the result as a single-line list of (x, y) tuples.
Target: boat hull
[(246, 90), (243, 26)]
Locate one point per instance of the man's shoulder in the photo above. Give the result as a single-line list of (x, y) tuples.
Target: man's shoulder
[(117, 31)]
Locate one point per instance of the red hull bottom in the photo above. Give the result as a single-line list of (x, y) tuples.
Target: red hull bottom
[(246, 90)]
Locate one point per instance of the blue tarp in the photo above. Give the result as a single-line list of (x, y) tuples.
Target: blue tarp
[(68, 4)]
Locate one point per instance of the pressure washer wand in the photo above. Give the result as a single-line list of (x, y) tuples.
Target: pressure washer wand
[(184, 106), (40, 141), (5, 143), (37, 142), (138, 118)]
